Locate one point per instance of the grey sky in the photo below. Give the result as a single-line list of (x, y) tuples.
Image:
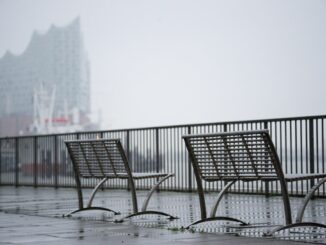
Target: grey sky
[(168, 62)]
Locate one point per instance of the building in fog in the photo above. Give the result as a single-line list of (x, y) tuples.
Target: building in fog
[(46, 89)]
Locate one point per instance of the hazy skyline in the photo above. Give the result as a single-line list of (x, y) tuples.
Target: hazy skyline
[(175, 62)]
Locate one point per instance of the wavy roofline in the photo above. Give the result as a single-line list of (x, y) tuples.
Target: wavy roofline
[(40, 34)]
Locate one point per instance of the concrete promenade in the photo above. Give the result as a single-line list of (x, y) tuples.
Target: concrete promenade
[(34, 216)]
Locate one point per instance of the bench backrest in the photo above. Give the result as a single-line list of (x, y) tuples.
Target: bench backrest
[(98, 158), (247, 155)]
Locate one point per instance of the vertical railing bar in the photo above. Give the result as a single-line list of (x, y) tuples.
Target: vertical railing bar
[(288, 168), (278, 143), (311, 150), (134, 151), (78, 138), (169, 149), (290, 142), (240, 184), (152, 150), (296, 153), (165, 148), (170, 143), (128, 156), (183, 169), (16, 161), (166, 151), (266, 183), (177, 162), (43, 162), (317, 151), (51, 158), (307, 152), (176, 156), (144, 136), (1, 163), (225, 129), (301, 154), (157, 149), (56, 162), (141, 155), (178, 181), (281, 147), (323, 150), (63, 163), (189, 166), (35, 161), (148, 147), (171, 152), (317, 146), (146, 144)]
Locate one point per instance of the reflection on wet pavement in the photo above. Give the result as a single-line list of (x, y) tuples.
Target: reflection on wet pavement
[(263, 213)]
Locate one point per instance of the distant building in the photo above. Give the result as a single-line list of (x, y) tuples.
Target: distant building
[(46, 89)]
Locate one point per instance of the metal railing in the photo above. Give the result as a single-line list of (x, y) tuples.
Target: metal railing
[(42, 160)]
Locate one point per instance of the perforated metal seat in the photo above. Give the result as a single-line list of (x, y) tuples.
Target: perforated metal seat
[(105, 159), (244, 156)]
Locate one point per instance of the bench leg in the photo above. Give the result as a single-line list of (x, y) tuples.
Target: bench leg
[(214, 209), (92, 208), (302, 224), (89, 205), (148, 212), (216, 218), (307, 198), (146, 201), (150, 193), (299, 216), (219, 198)]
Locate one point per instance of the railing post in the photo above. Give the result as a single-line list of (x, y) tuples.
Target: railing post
[(128, 156), (0, 159), (311, 150), (266, 182), (101, 137), (157, 150), (189, 166), (35, 145), (56, 165), (157, 144), (225, 129), (128, 148), (16, 162), (78, 138)]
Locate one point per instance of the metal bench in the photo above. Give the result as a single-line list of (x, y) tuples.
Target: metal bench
[(245, 156), (105, 159)]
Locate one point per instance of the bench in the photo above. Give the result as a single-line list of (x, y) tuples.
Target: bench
[(105, 159), (243, 156)]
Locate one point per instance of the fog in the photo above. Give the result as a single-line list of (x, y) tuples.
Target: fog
[(168, 62)]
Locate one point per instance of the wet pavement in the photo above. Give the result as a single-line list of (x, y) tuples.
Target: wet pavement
[(35, 216)]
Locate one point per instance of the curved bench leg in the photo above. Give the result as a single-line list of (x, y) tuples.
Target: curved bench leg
[(219, 198), (92, 208), (146, 212), (307, 198), (90, 201), (302, 224), (216, 218), (150, 193), (89, 204), (146, 201), (214, 209)]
